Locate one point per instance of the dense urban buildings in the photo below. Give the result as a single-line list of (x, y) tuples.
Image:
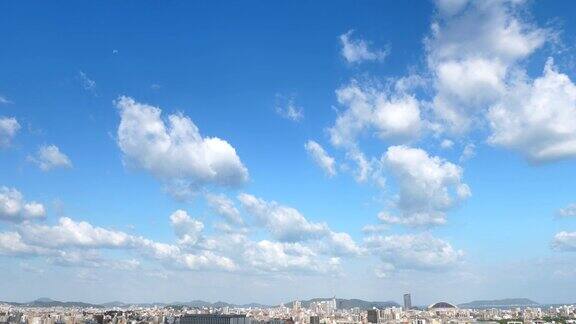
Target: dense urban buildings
[(315, 312)]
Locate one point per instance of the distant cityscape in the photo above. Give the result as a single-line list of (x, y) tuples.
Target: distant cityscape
[(315, 311)]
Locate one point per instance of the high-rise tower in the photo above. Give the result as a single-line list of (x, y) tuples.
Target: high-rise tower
[(407, 302)]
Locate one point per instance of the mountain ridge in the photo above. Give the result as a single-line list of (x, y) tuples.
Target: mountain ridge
[(340, 302)]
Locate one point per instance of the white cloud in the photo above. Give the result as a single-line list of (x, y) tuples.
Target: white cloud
[(288, 109), (174, 257), (9, 126), (14, 208), (428, 186), (50, 157), (468, 152), (358, 50), (568, 211), (11, 244), (391, 116), (67, 238), (471, 55), (78, 244), (465, 88), (537, 119), (225, 208), (175, 152), (287, 224), (366, 169), (281, 257), (70, 233), (491, 29), (414, 252), (320, 157), (342, 244), (188, 230), (284, 223), (565, 241)]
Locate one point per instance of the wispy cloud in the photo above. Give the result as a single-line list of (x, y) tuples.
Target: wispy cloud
[(288, 109), (358, 50), (87, 83)]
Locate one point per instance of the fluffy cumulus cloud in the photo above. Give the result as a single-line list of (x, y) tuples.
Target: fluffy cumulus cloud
[(11, 243), (9, 126), (224, 207), (74, 243), (296, 245), (188, 230), (342, 244), (272, 256), (14, 208), (284, 223), (475, 53), (428, 186), (565, 241), (174, 150), (537, 118), (420, 252), (50, 157), (356, 50), (288, 225), (70, 233), (472, 49), (174, 256), (321, 157), (391, 115)]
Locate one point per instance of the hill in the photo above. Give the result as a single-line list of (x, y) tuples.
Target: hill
[(500, 303)]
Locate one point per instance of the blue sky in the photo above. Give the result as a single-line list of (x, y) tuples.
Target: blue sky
[(164, 151)]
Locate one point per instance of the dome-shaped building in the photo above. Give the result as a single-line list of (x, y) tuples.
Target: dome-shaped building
[(441, 305)]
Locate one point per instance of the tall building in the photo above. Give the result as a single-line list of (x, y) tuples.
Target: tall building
[(372, 316), (296, 306), (213, 319), (407, 302), (315, 319)]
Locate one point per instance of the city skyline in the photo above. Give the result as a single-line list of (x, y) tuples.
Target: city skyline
[(264, 152)]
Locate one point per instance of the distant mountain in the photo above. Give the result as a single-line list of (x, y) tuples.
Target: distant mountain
[(500, 303), (47, 302), (218, 304), (351, 303), (341, 303)]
